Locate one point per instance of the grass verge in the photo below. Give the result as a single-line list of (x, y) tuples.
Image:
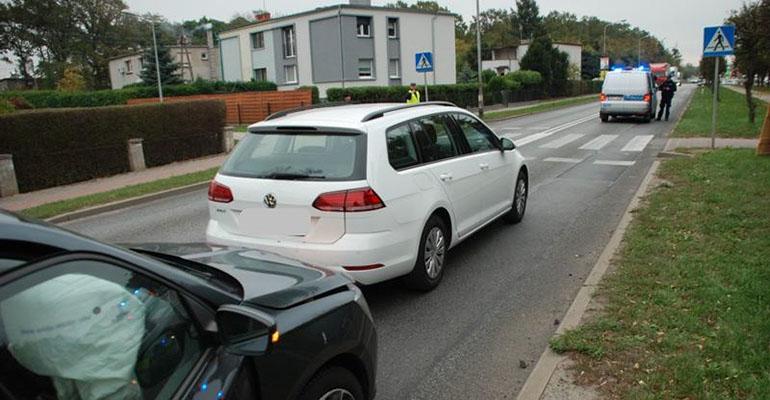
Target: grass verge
[(541, 107), (65, 206), (686, 313), (732, 121)]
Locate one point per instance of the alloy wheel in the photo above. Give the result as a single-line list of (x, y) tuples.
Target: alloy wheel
[(337, 394), (435, 249), (521, 195)]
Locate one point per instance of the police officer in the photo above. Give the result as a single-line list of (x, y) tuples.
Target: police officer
[(667, 89), (414, 95)]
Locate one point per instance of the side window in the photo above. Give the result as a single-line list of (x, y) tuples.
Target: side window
[(479, 137), (401, 150), (434, 138), (87, 329)]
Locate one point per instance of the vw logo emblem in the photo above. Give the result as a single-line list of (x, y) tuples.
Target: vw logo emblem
[(270, 200)]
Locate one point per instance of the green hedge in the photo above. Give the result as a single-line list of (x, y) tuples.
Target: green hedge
[(97, 98), (464, 95), (58, 147)]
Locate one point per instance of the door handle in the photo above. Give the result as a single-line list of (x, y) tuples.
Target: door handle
[(445, 177), (484, 166)]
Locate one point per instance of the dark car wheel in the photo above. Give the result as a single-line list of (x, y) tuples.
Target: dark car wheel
[(335, 383), (604, 117), (520, 194), (429, 267)]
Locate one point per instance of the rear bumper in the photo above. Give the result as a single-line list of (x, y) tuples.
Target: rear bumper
[(395, 250), (625, 108)]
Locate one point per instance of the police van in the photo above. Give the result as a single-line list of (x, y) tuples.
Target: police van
[(628, 93)]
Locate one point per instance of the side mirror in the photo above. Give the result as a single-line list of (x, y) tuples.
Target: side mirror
[(507, 144), (245, 331)]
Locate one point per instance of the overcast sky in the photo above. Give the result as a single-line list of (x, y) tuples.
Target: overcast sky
[(678, 22)]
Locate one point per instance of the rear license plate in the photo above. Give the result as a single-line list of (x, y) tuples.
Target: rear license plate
[(615, 98), (272, 222)]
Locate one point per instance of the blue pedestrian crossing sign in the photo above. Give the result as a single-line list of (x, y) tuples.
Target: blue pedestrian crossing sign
[(423, 62), (718, 41)]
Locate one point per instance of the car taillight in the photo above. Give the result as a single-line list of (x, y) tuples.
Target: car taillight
[(354, 200), (220, 193), (602, 97), (647, 98)]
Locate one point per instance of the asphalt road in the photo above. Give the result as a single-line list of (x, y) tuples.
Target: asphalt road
[(504, 288)]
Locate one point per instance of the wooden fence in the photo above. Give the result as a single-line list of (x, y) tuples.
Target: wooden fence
[(247, 107)]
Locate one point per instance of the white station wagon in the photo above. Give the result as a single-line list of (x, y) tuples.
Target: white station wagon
[(376, 190)]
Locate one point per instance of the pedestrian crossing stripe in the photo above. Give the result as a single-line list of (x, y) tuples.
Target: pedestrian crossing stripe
[(718, 42)]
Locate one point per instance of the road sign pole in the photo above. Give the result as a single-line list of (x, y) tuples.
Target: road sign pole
[(715, 104), (425, 80)]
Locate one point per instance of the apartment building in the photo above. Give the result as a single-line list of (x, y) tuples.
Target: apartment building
[(353, 44), (506, 59)]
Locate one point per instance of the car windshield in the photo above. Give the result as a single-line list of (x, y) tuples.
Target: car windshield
[(299, 156)]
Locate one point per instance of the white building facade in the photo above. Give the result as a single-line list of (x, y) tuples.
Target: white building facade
[(507, 59), (341, 46)]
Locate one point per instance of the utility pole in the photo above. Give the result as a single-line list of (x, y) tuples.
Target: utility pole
[(478, 60), (157, 63), (604, 40), (639, 56)]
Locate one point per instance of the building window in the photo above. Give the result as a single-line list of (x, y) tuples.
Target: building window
[(393, 68), (392, 28), (129, 67), (204, 56), (289, 42), (290, 73), (260, 74), (365, 68), (364, 26), (257, 40)]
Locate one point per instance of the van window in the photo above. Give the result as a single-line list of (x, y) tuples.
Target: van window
[(402, 152), (299, 156), (625, 81)]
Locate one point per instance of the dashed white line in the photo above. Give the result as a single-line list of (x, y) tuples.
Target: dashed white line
[(638, 143), (599, 142), (615, 163), (564, 160), (537, 136), (555, 144)]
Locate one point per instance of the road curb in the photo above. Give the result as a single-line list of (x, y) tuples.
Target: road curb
[(103, 208), (537, 381), (533, 113)]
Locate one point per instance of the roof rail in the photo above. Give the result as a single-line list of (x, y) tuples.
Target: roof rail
[(284, 113), (380, 113)]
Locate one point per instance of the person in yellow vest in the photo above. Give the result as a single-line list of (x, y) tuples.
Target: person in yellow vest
[(414, 94)]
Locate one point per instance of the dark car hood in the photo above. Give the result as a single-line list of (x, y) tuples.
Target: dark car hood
[(267, 279)]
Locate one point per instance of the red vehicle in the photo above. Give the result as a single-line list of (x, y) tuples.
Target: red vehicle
[(659, 71)]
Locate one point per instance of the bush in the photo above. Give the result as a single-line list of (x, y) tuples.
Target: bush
[(464, 95), (525, 78), (487, 75), (314, 89), (97, 98), (6, 107), (58, 147)]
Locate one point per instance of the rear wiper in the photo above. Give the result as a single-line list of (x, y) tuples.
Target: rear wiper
[(290, 176)]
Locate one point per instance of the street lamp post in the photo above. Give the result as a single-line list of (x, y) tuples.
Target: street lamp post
[(639, 56), (478, 60), (155, 47), (604, 40)]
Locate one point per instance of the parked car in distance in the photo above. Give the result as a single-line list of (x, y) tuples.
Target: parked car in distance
[(628, 93), (376, 190), (83, 319)]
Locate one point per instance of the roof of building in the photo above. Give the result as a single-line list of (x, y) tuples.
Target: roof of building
[(527, 41), (340, 6)]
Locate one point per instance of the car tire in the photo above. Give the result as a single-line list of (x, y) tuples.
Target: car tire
[(431, 256), (520, 194), (604, 117), (333, 383)]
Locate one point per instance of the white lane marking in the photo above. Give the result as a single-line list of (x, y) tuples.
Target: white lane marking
[(599, 142), (512, 135), (513, 128), (616, 163), (556, 143), (537, 136), (564, 160), (638, 143)]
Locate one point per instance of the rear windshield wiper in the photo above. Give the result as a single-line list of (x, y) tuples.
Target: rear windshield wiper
[(290, 176)]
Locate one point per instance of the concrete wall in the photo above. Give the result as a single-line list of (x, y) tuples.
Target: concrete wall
[(281, 61), (265, 57), (202, 67), (119, 76), (230, 52)]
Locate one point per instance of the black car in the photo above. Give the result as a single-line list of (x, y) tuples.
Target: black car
[(80, 319)]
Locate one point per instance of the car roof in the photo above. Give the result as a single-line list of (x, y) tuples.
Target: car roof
[(352, 116)]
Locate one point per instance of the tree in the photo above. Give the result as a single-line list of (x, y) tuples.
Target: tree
[(751, 45), (707, 69), (168, 68), (15, 41), (552, 64), (530, 24), (590, 64), (72, 80)]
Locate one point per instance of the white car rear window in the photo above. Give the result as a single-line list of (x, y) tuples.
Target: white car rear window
[(625, 81), (299, 156)]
